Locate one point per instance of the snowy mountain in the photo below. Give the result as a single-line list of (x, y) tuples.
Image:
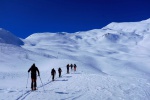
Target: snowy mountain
[(9, 38), (112, 64)]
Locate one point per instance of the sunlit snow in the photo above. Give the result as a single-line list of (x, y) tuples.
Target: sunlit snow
[(112, 64)]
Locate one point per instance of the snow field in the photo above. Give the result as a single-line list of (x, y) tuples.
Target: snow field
[(112, 64), (79, 86)]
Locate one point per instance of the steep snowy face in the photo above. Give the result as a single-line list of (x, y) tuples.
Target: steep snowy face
[(9, 38)]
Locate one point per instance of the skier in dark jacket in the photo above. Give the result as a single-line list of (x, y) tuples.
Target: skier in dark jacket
[(53, 72), (33, 70), (67, 68), (71, 66), (59, 71)]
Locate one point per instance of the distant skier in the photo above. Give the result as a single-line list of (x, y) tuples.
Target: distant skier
[(59, 71), (75, 67), (67, 68), (71, 66), (53, 73), (33, 70)]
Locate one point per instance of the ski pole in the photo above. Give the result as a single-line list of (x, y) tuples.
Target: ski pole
[(42, 83), (27, 80)]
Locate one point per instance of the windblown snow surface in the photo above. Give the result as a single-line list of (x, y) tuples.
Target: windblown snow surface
[(112, 64)]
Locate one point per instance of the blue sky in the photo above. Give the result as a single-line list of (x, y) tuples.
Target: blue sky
[(25, 17)]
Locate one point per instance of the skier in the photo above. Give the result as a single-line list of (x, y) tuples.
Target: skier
[(53, 72), (75, 67), (71, 66), (67, 68), (33, 70), (59, 71)]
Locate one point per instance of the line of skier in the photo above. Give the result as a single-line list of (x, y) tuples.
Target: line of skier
[(34, 70), (72, 66)]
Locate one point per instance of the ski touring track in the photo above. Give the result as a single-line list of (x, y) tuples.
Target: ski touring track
[(28, 92), (54, 85), (87, 86)]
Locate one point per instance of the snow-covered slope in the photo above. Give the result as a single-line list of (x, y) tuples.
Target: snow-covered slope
[(130, 27), (112, 64), (9, 38)]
